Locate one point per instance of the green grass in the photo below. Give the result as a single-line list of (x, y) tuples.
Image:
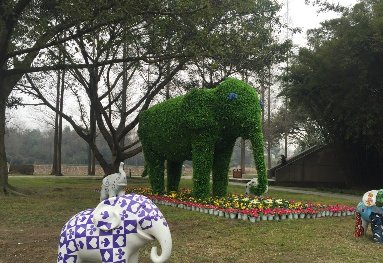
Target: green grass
[(35, 222)]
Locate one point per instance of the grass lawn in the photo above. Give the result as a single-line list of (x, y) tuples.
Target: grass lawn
[(29, 228)]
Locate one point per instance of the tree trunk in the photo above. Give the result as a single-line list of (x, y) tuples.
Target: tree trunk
[(92, 118), (57, 127), (3, 156), (54, 160), (269, 123), (5, 187), (60, 122), (243, 156)]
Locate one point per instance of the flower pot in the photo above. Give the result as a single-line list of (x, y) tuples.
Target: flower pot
[(301, 215), (216, 212), (264, 217), (270, 217), (211, 211), (343, 213), (290, 216), (227, 215), (233, 215), (221, 213), (252, 219), (282, 217), (327, 213), (295, 216), (244, 217)]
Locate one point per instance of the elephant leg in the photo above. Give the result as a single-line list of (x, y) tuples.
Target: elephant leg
[(220, 170), (376, 227), (174, 170), (112, 192), (202, 156), (104, 193), (156, 170), (365, 226)]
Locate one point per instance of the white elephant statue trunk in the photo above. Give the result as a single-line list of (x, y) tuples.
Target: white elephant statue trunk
[(114, 184), (114, 232), (253, 183)]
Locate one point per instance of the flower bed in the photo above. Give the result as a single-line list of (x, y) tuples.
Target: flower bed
[(245, 207)]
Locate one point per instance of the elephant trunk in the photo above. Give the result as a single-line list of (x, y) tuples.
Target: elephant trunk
[(259, 160), (162, 234)]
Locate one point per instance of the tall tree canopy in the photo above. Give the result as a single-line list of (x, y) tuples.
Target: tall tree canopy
[(337, 80), (28, 28), (146, 52)]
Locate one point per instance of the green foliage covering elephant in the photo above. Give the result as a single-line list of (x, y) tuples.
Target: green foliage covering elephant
[(202, 126)]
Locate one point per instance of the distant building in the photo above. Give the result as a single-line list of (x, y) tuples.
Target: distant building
[(331, 166)]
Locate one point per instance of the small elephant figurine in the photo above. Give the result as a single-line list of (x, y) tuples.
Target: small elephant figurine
[(253, 182), (114, 231), (114, 184)]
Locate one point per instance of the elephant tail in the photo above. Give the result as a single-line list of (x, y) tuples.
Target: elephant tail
[(359, 230)]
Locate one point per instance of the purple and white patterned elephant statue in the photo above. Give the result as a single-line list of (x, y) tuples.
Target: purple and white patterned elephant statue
[(114, 231)]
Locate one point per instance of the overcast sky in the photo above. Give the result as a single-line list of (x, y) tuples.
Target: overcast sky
[(299, 15), (307, 17)]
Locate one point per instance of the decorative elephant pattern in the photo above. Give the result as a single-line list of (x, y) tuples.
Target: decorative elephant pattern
[(114, 184), (114, 231), (370, 210), (251, 183)]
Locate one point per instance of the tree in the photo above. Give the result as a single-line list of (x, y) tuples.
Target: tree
[(29, 27), (175, 42), (336, 82)]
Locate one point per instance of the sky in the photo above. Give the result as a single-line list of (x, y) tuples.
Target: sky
[(306, 16), (299, 15)]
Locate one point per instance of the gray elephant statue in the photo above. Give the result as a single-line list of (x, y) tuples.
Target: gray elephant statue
[(202, 126), (114, 231), (114, 184), (253, 183)]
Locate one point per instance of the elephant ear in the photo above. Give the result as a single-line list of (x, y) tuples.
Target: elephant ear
[(106, 216), (197, 109)]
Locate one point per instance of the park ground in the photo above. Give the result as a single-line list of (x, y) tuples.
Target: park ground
[(30, 226)]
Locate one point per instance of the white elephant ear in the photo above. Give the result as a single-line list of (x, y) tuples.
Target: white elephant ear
[(105, 181), (106, 216)]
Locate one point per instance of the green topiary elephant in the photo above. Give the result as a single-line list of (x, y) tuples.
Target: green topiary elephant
[(202, 126)]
